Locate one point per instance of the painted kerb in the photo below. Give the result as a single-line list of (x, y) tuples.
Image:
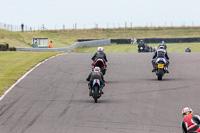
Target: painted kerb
[(70, 48)]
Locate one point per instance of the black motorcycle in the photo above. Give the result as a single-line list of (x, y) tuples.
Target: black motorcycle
[(96, 90)]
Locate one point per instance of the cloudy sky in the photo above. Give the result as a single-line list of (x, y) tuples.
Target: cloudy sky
[(106, 13)]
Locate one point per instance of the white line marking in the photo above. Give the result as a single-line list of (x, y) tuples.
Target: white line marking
[(26, 75)]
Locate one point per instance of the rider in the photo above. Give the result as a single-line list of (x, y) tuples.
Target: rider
[(188, 49), (163, 43), (141, 44), (160, 53), (100, 54), (190, 123), (96, 74)]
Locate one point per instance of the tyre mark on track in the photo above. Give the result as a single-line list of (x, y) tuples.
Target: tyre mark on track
[(151, 91), (23, 115), (70, 100), (31, 123), (9, 106), (8, 117)]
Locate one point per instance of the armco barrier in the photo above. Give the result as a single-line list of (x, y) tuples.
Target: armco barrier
[(153, 40), (70, 48)]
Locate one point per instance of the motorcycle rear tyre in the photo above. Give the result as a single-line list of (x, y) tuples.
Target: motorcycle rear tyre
[(95, 93), (160, 74)]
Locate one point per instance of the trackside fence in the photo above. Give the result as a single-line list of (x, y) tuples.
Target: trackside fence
[(70, 48)]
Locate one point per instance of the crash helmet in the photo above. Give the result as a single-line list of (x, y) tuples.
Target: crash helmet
[(160, 47), (141, 40), (163, 41), (100, 49), (96, 69), (186, 111)]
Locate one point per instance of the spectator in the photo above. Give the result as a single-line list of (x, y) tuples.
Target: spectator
[(188, 49), (22, 27), (50, 44)]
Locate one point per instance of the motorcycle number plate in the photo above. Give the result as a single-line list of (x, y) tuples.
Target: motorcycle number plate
[(160, 65)]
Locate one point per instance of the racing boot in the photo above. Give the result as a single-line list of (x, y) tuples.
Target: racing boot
[(154, 69), (101, 87), (166, 70), (90, 90)]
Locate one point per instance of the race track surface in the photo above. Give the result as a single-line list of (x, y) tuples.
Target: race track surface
[(54, 97)]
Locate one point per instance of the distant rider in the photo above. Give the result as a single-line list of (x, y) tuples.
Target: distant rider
[(163, 43), (160, 53), (146, 48), (141, 44), (100, 54), (96, 74), (190, 123), (188, 49)]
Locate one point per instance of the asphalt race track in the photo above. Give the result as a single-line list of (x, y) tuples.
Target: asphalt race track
[(54, 97)]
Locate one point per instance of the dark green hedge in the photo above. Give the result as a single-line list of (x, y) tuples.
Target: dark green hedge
[(5, 47)]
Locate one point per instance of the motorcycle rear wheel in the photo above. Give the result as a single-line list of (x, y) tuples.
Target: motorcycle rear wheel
[(95, 93), (160, 74)]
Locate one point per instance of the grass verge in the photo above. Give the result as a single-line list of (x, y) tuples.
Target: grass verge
[(15, 64)]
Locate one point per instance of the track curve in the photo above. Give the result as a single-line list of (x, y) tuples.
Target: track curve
[(54, 97)]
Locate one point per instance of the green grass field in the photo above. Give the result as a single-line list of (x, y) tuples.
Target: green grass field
[(15, 64), (128, 48)]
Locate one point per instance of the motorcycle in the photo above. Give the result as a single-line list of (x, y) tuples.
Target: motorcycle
[(140, 49), (100, 63), (160, 67), (96, 90)]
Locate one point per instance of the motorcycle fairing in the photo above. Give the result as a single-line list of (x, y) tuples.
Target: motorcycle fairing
[(96, 81), (100, 61), (161, 59)]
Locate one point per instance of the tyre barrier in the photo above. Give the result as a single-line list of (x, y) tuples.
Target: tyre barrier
[(152, 40)]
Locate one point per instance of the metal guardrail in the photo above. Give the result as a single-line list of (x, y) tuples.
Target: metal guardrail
[(70, 48)]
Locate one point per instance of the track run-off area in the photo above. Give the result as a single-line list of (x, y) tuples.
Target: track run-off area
[(54, 97)]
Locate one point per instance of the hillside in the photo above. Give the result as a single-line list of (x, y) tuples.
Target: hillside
[(64, 38)]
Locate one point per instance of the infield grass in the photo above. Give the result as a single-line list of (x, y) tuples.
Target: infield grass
[(15, 64)]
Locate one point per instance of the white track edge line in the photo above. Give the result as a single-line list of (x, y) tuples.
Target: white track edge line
[(9, 89)]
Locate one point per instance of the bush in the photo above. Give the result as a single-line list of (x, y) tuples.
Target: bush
[(5, 47), (12, 49)]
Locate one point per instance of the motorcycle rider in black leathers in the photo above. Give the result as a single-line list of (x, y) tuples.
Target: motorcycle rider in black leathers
[(100, 54), (96, 74), (141, 44), (160, 53)]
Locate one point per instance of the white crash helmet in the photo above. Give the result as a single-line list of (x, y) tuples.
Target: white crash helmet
[(96, 69), (186, 111), (160, 47), (100, 49)]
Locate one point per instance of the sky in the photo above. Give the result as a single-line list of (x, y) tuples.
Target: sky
[(104, 13)]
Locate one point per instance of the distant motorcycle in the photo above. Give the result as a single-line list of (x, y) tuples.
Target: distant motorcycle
[(160, 67), (101, 64), (141, 49), (96, 90)]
